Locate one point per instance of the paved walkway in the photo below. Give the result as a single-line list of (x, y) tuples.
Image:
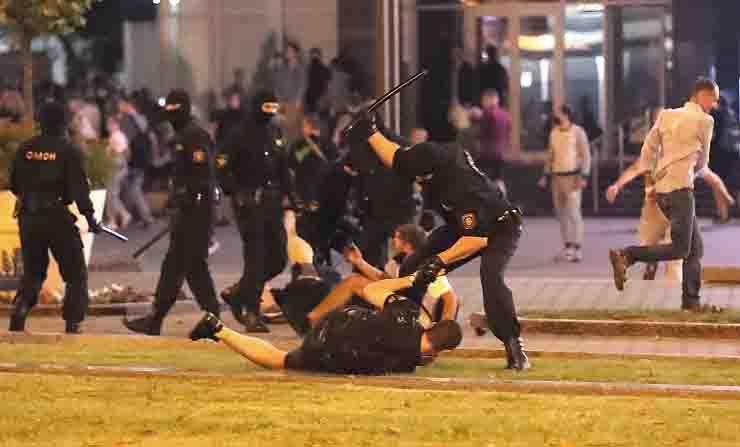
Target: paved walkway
[(537, 282)]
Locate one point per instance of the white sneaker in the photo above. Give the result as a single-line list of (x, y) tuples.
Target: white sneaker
[(213, 247), (577, 255), (565, 255)]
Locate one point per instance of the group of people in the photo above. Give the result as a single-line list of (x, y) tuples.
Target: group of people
[(371, 321)]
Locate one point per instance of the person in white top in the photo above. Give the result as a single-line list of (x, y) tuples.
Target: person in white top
[(675, 152), (440, 302), (568, 167), (118, 149)]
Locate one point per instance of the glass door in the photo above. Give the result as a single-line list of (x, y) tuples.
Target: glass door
[(529, 38)]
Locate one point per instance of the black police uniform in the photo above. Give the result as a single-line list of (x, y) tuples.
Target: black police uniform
[(257, 161), (194, 191), (47, 175), (389, 202), (471, 206), (360, 340), (311, 163)]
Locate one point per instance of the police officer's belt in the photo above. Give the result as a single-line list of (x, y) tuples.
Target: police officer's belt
[(193, 198), (257, 196), (36, 203)]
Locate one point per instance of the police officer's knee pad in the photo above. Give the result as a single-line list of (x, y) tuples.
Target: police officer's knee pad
[(445, 335), (401, 308)]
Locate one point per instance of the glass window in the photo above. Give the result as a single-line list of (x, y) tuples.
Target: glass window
[(536, 46), (645, 48), (584, 66)]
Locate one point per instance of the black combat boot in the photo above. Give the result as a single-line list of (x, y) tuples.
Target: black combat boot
[(230, 298), (516, 358), (18, 318), (207, 327), (72, 327), (148, 325), (254, 323)]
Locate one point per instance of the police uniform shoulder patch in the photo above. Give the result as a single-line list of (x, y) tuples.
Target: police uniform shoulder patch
[(221, 160), (469, 221), (199, 156)]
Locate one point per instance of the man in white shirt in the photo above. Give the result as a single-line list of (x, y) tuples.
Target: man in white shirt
[(675, 152)]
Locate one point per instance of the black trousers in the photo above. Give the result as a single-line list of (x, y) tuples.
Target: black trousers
[(310, 228), (54, 230), (187, 259), (686, 242), (498, 300), (264, 250)]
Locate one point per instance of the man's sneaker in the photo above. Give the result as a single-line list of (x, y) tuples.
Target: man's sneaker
[(565, 255), (576, 255), (213, 247), (619, 266), (253, 323), (207, 327), (701, 308), (147, 325), (72, 327), (479, 323), (516, 358)]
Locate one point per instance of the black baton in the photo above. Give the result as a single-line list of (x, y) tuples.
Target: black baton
[(157, 237), (113, 233), (380, 101)]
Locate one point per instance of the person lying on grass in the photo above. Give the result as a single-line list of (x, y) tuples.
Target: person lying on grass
[(352, 339), (311, 294)]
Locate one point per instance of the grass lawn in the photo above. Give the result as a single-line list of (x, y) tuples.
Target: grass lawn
[(216, 358), (727, 316), (60, 411)]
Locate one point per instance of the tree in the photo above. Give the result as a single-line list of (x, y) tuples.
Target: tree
[(27, 19)]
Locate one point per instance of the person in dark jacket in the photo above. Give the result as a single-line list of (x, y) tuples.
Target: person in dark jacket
[(193, 194), (47, 174), (256, 160)]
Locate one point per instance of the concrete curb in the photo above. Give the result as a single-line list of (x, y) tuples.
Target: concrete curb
[(101, 310), (613, 328), (603, 328)]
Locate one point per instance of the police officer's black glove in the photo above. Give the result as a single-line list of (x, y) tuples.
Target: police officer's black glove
[(428, 272), (361, 128), (510, 220), (92, 224)]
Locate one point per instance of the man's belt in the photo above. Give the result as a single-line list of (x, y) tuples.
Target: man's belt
[(257, 196), (36, 204)]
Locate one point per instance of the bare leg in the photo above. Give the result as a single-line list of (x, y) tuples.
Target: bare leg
[(339, 296), (254, 349)]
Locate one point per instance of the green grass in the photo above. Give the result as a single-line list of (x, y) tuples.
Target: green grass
[(69, 411), (727, 316), (216, 358)]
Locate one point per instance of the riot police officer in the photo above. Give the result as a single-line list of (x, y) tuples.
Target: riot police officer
[(193, 194), (479, 222), (257, 162), (47, 175)]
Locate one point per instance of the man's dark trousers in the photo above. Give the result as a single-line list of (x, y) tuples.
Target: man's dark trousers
[(498, 300), (686, 242), (54, 229), (187, 259), (264, 248)]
